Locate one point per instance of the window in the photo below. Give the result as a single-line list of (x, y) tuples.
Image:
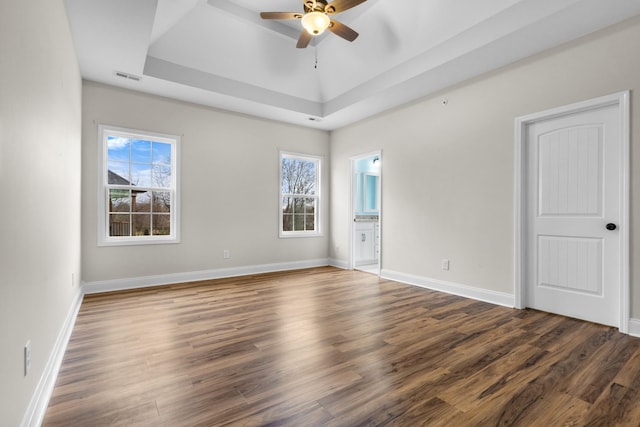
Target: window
[(299, 195), (138, 198)]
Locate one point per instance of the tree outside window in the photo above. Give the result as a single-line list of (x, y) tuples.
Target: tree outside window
[(139, 176), (299, 195)]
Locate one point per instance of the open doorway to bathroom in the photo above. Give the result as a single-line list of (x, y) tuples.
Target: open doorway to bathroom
[(366, 190)]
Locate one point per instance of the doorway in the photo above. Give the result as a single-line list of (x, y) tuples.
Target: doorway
[(365, 212), (572, 215)]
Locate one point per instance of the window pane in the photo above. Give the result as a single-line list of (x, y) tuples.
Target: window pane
[(119, 201), (161, 225), (119, 225), (298, 176), (141, 224), (118, 173), (287, 205), (298, 205), (311, 177), (140, 201), (141, 175), (161, 176), (286, 176), (141, 151), (287, 222), (161, 153), (118, 148), (161, 201), (310, 206), (298, 222), (310, 223)]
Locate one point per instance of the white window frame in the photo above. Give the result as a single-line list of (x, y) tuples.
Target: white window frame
[(318, 196), (103, 188)]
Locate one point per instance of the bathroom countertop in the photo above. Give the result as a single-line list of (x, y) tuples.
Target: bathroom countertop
[(366, 218)]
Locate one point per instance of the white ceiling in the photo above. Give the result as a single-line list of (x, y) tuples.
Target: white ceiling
[(220, 53)]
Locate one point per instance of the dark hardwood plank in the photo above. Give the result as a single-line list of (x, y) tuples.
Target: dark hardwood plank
[(329, 347)]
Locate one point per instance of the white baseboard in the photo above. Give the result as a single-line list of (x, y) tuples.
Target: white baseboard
[(493, 297), (192, 276), (339, 263), (634, 327), (42, 394)]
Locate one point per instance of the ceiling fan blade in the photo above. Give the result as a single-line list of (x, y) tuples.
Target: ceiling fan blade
[(280, 15), (342, 30), (338, 6), (304, 39)]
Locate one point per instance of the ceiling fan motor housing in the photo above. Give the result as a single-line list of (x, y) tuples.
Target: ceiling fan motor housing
[(316, 6)]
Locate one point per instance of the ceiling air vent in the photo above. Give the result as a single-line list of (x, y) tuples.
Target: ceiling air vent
[(127, 76)]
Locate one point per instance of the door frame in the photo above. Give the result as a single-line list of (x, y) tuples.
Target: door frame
[(621, 100), (352, 224)]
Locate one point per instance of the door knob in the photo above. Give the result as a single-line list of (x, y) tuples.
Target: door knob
[(611, 226)]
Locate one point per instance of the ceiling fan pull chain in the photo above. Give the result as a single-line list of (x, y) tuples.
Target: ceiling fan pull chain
[(316, 65)]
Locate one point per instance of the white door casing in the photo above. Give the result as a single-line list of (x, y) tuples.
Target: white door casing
[(354, 239), (571, 181)]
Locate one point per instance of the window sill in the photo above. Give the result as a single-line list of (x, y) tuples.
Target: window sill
[(139, 241), (298, 234)]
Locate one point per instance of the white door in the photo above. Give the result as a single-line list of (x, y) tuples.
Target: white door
[(573, 214)]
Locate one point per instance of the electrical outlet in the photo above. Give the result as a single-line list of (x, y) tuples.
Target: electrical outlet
[(445, 264), (27, 357), (226, 254)]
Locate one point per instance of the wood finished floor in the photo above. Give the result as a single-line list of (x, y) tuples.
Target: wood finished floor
[(328, 347)]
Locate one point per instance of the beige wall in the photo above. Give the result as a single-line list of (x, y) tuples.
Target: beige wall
[(229, 180), (448, 171), (447, 188), (40, 95)]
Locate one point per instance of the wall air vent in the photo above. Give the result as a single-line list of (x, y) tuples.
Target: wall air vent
[(127, 76)]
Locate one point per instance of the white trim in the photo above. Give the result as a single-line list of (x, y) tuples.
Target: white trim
[(37, 408), (621, 99), (102, 227), (493, 297), (625, 209), (634, 327), (351, 212), (192, 276), (519, 199)]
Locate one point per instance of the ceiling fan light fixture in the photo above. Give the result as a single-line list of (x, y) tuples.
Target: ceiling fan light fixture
[(315, 22)]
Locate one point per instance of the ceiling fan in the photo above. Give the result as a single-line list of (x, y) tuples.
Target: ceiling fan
[(315, 19)]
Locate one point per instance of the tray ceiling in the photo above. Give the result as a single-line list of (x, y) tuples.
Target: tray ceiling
[(221, 54)]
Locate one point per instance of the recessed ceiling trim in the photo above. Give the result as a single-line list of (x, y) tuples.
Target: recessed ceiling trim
[(478, 51), (165, 70), (200, 41)]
